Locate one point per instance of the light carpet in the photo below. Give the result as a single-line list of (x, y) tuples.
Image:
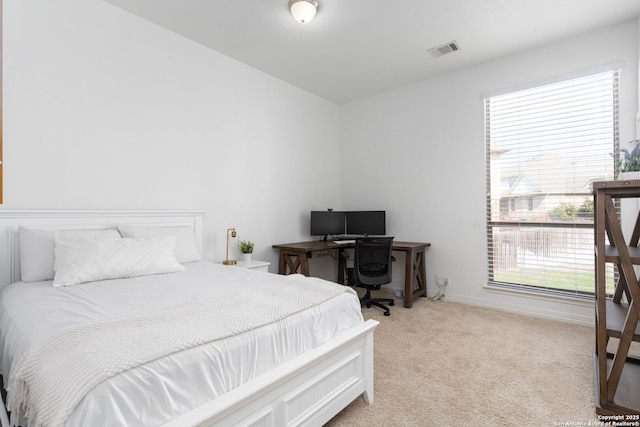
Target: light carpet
[(448, 364)]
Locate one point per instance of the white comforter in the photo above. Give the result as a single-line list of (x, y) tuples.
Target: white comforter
[(168, 387)]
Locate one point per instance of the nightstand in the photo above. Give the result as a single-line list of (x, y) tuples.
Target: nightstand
[(254, 264)]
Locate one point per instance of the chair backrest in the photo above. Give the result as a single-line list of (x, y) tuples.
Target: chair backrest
[(372, 263)]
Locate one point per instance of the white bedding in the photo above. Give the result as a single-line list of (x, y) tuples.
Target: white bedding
[(163, 389)]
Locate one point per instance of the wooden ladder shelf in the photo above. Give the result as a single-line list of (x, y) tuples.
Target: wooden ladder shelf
[(617, 373)]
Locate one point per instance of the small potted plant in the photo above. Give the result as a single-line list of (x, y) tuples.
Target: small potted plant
[(630, 162), (246, 247)]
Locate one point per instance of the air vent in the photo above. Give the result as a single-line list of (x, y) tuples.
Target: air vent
[(444, 49)]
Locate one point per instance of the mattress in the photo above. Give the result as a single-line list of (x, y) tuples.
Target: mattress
[(163, 389)]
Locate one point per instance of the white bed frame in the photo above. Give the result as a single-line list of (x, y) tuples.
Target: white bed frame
[(308, 390)]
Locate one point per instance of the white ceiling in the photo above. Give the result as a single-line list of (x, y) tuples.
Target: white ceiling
[(356, 48)]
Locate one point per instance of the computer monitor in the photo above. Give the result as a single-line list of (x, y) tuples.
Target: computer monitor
[(367, 223), (327, 223)]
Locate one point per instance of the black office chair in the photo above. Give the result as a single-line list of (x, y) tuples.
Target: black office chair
[(372, 269)]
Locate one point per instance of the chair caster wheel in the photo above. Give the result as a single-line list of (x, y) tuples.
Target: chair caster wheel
[(386, 313), (392, 303)]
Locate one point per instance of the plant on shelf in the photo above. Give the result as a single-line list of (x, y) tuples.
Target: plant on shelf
[(630, 160), (246, 246)]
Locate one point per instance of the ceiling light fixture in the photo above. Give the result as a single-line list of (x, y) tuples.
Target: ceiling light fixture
[(303, 10)]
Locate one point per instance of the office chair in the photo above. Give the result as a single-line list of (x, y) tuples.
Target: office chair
[(372, 269)]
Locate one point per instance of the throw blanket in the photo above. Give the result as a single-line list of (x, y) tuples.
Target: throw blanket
[(49, 381)]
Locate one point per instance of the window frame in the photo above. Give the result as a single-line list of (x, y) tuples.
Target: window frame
[(511, 204)]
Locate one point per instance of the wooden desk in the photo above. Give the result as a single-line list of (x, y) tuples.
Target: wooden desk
[(294, 258)]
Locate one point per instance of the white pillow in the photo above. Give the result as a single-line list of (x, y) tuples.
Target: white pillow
[(186, 247), (79, 259), (36, 250)]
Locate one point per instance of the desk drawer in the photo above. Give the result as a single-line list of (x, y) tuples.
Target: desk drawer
[(321, 252)]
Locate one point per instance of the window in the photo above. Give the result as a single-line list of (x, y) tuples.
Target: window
[(544, 147), (1, 167)]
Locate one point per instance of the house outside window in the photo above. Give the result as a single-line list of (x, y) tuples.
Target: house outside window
[(545, 145)]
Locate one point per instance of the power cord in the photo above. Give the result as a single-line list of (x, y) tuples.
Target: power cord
[(439, 296)]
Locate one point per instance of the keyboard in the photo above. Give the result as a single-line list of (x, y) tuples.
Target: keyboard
[(344, 242)]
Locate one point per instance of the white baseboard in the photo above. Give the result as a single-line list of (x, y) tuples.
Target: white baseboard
[(581, 313), (393, 287)]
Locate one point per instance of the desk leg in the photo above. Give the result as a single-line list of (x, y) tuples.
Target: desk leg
[(291, 262), (342, 265), (304, 264), (415, 277), (282, 263)]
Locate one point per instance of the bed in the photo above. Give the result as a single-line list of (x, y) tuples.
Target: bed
[(192, 344)]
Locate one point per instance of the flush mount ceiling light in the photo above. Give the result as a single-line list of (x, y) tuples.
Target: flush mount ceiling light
[(303, 10)]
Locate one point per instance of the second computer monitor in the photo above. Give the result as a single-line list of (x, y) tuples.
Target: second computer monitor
[(367, 223)]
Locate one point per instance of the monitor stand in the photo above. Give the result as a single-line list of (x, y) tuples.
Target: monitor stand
[(330, 237)]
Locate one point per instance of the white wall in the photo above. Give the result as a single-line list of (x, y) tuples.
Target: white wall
[(104, 110), (418, 152)]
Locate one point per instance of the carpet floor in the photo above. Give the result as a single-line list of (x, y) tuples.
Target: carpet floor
[(448, 364)]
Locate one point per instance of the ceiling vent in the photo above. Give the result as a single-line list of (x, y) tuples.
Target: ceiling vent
[(444, 49)]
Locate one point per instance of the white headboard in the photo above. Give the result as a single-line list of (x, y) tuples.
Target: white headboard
[(11, 220)]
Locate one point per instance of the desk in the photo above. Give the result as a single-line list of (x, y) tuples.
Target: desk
[(294, 258)]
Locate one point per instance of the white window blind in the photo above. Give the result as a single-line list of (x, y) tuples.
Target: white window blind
[(544, 146)]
